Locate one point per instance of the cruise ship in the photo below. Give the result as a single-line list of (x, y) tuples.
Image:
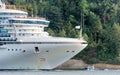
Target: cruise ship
[(24, 44)]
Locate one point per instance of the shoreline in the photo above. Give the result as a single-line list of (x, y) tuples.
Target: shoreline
[(74, 64)]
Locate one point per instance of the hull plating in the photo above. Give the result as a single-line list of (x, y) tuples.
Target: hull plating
[(49, 56)]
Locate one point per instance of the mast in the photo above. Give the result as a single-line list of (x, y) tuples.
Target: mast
[(80, 27), (2, 4)]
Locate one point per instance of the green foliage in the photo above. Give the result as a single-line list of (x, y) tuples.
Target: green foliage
[(83, 5), (54, 15), (19, 2), (62, 33), (116, 37), (86, 37), (51, 32)]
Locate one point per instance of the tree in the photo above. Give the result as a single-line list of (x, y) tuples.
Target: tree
[(19, 2), (95, 26), (54, 15), (62, 33), (109, 47), (116, 37), (42, 8), (51, 32)]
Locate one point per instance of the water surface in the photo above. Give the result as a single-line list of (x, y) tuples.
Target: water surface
[(61, 72)]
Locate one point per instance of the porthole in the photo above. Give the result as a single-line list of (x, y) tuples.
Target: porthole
[(24, 50), (73, 51), (47, 51), (67, 51), (12, 49), (19, 49), (8, 49)]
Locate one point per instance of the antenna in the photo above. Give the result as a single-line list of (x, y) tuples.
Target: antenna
[(2, 4), (32, 12), (81, 25)]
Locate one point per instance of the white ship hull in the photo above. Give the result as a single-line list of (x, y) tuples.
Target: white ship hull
[(50, 55)]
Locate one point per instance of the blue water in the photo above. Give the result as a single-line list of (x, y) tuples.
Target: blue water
[(61, 72)]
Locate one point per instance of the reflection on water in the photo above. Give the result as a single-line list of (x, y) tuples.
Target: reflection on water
[(61, 72)]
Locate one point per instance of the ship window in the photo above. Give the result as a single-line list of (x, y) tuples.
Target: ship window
[(24, 50), (47, 51), (67, 51), (40, 26), (73, 51), (12, 49), (19, 34), (5, 43), (36, 49), (19, 49), (32, 29)]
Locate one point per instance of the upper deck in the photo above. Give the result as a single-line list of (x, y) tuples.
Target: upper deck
[(16, 24), (8, 13)]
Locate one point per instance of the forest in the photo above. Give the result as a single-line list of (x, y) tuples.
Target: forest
[(100, 20)]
